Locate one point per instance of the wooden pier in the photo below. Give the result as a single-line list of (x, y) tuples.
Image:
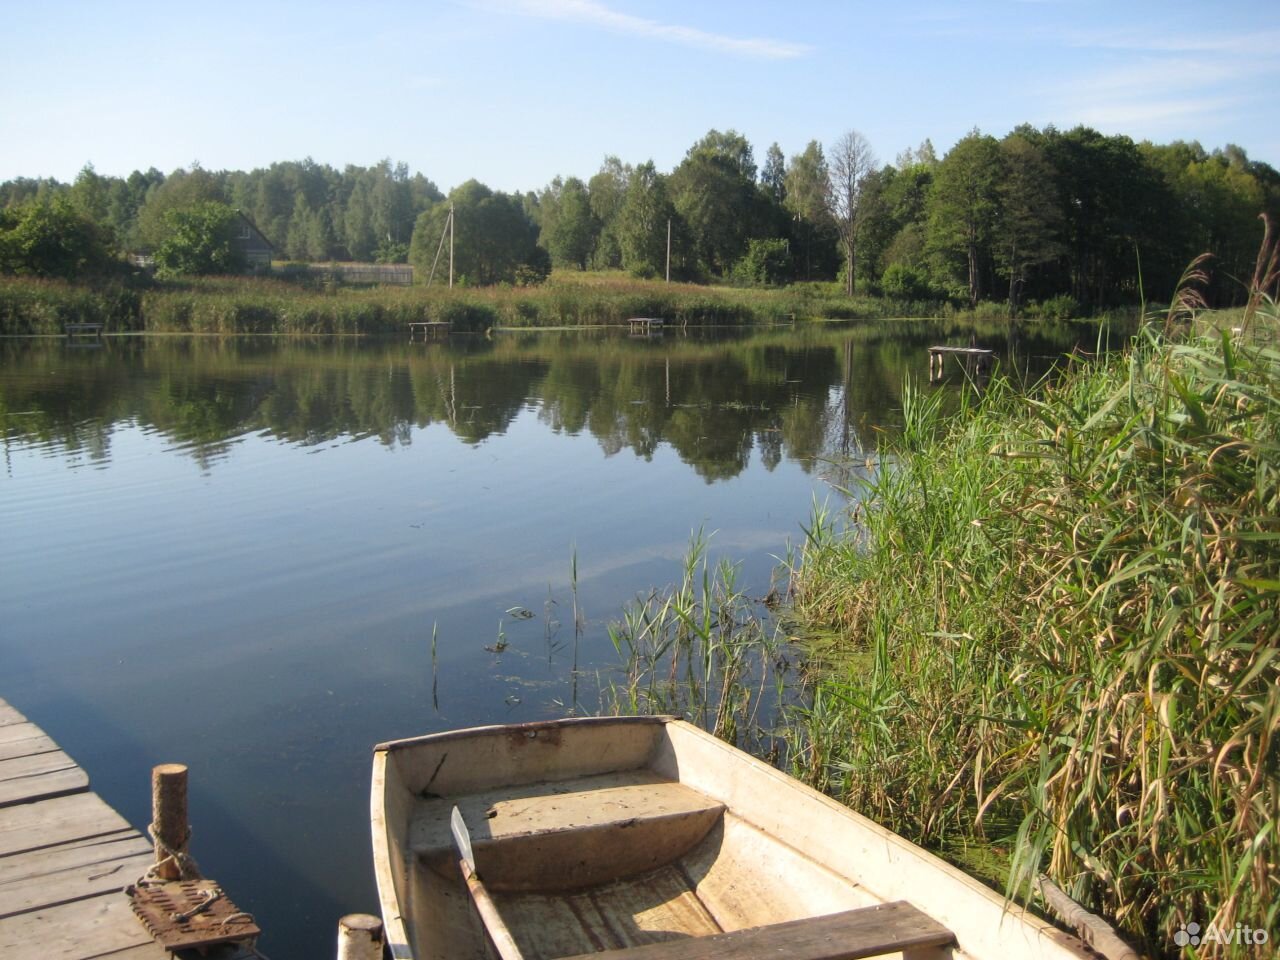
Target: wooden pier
[(65, 857), (975, 359), (644, 324), (429, 328), (86, 329)]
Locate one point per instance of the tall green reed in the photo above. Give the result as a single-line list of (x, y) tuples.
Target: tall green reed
[(1059, 623), (705, 650)]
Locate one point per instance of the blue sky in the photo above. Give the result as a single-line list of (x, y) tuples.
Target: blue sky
[(514, 92)]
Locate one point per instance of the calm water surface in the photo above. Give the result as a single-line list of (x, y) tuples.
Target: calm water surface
[(232, 553)]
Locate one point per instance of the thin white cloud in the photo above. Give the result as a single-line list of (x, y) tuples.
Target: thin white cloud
[(596, 14), (1168, 84), (1261, 44), (1160, 75), (1173, 114)]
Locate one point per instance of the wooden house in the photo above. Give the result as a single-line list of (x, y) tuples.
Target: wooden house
[(253, 245)]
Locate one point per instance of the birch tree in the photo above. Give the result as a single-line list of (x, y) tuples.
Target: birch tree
[(850, 161)]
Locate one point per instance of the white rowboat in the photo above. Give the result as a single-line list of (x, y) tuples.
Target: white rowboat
[(646, 838)]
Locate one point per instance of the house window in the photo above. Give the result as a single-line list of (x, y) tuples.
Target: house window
[(244, 231)]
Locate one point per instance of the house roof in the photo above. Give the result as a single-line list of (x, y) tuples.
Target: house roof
[(254, 227)]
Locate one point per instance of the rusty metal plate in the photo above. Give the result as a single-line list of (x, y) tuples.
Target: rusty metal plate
[(183, 914)]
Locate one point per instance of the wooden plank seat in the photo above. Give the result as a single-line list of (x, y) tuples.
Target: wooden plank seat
[(850, 935), (570, 833)]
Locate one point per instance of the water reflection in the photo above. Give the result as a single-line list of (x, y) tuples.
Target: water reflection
[(714, 398)]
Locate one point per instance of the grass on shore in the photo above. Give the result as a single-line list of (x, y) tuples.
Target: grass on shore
[(1058, 629), (227, 305)]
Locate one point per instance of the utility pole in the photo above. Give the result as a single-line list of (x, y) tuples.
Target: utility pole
[(447, 231)]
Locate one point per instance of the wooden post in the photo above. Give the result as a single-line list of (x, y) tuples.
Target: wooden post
[(359, 937), (169, 819)]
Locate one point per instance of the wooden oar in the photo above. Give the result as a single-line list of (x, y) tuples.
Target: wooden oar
[(498, 931)]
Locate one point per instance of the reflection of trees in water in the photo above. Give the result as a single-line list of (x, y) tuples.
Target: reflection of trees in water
[(805, 396)]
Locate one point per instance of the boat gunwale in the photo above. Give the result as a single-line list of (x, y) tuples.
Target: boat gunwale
[(533, 726)]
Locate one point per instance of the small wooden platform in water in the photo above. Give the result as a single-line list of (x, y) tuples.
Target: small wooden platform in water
[(65, 857), (977, 358), (644, 324), (90, 329), (429, 328)]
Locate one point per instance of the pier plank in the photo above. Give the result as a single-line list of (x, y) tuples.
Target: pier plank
[(75, 931), (65, 874), (45, 861), (35, 826), (65, 858), (39, 776), (22, 730), (23, 744)]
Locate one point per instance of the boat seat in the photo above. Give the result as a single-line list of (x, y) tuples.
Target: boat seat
[(568, 833), (896, 927)]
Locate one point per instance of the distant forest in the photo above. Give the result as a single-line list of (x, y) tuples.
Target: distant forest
[(1036, 215)]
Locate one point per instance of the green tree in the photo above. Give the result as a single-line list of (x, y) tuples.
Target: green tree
[(493, 236), (320, 236), (357, 223), (127, 198), (806, 185), (714, 191), (922, 156), (569, 228), (91, 195), (53, 238), (773, 177), (200, 239), (642, 222), (607, 190), (295, 245), (181, 190), (766, 263), (275, 203), (1218, 198), (1116, 206), (391, 202), (964, 207), (895, 232), (1030, 220)]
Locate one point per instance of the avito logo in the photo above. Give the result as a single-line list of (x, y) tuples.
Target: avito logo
[(1192, 934)]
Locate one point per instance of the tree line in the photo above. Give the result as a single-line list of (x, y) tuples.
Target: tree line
[(309, 211), (1037, 214)]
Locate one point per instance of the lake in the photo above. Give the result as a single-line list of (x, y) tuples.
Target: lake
[(234, 553)]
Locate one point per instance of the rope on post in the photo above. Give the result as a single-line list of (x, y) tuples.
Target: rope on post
[(169, 829)]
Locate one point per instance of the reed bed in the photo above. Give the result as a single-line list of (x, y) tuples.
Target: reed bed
[(1056, 627), (29, 305), (283, 305), (704, 650)]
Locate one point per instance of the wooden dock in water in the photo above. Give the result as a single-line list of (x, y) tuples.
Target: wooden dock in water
[(429, 328), (644, 325), (90, 329), (65, 857), (974, 359)]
